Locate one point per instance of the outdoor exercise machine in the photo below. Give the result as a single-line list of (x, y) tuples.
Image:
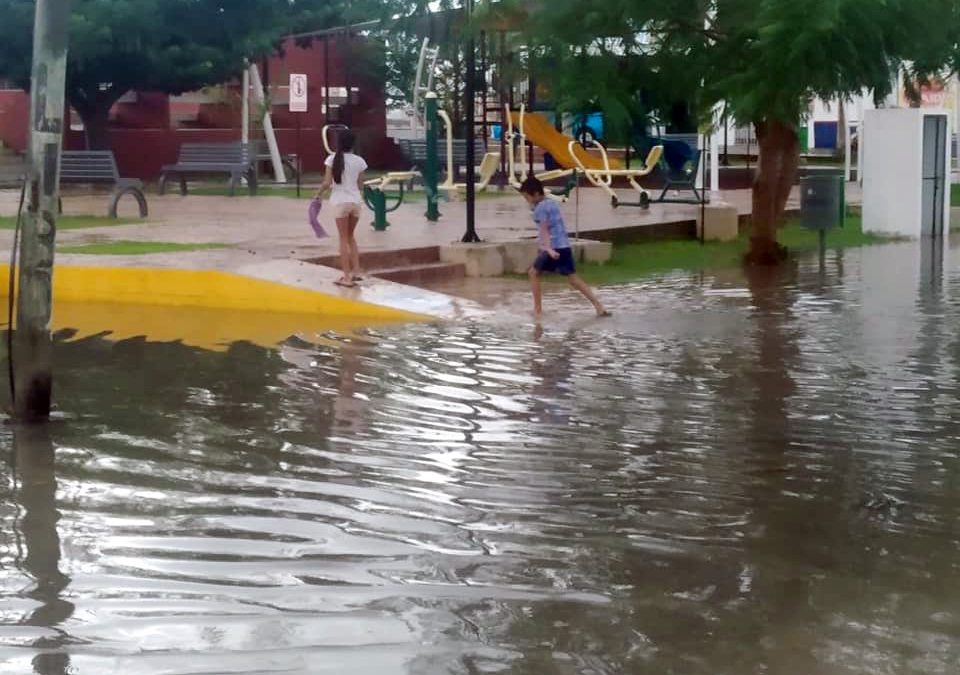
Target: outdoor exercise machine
[(603, 178), (488, 165), (518, 160)]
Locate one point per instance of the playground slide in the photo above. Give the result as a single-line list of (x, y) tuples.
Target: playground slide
[(541, 133)]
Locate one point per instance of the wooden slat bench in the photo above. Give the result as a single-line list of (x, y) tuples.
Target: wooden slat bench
[(100, 167), (206, 158), (415, 150)]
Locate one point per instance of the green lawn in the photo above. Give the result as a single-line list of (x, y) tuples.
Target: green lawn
[(415, 196), (633, 261), (75, 222), (135, 248)]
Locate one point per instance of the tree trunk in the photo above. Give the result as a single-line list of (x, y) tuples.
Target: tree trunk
[(94, 109), (96, 125), (776, 173)]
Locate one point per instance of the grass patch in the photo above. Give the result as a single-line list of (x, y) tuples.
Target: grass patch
[(74, 222), (632, 261), (409, 196), (955, 194), (135, 248)]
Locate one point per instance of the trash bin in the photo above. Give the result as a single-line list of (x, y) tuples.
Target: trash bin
[(822, 205)]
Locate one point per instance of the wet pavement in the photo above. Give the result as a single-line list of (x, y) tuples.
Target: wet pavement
[(269, 228), (733, 476)]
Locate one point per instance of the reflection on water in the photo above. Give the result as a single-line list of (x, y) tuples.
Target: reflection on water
[(737, 475)]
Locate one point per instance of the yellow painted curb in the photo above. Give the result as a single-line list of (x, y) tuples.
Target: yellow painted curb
[(203, 327), (206, 288)]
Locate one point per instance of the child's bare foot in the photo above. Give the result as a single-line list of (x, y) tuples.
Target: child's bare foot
[(603, 312)]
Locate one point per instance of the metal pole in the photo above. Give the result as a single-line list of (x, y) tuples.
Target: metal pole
[(703, 196), (299, 154), (34, 371), (268, 131), (245, 105), (326, 79), (483, 95), (430, 170), (726, 137), (502, 176), (470, 236)]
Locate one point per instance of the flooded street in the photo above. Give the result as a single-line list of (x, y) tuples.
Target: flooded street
[(733, 476)]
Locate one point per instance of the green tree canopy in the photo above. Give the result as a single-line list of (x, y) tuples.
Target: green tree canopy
[(765, 60), (169, 46)]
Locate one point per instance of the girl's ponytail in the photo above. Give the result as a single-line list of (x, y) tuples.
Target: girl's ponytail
[(345, 141)]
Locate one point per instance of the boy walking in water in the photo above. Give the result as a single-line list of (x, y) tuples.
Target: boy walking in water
[(555, 252)]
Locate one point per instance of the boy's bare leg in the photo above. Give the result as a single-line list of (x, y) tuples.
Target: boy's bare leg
[(581, 286), (537, 291)]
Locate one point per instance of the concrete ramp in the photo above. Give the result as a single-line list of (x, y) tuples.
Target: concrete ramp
[(386, 296), (263, 303)]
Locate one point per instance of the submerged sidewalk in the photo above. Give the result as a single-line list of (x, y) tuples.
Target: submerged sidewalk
[(262, 241)]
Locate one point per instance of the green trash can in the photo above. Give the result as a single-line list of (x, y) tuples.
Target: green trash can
[(804, 139), (823, 200)]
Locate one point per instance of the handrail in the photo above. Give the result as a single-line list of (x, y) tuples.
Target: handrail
[(524, 172), (326, 139), (448, 183), (510, 137)]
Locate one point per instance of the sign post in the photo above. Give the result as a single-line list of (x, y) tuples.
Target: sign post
[(298, 105)]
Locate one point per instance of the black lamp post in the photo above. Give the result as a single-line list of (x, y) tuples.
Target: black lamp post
[(471, 236)]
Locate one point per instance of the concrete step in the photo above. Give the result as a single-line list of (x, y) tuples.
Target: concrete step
[(421, 275), (373, 260)]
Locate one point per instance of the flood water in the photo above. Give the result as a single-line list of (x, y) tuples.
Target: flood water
[(734, 476)]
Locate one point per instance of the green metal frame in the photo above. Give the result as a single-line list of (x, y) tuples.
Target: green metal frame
[(382, 202), (378, 201), (431, 170)]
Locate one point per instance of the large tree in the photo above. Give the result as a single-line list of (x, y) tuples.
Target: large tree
[(765, 60), (170, 46)]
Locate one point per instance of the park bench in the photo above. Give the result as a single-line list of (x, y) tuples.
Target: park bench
[(206, 158), (261, 155), (100, 166), (679, 165), (415, 150)]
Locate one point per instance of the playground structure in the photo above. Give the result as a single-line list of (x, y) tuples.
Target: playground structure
[(536, 129), (376, 192), (517, 160), (488, 166), (386, 194), (680, 159), (603, 177)]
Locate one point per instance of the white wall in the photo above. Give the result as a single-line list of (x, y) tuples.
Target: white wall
[(892, 172)]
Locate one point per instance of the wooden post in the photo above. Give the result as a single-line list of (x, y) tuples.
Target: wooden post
[(32, 356)]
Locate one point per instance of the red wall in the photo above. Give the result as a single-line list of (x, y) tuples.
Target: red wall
[(14, 119), (151, 111), (143, 141)]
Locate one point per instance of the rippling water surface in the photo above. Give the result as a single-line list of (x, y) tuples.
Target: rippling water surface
[(734, 476)]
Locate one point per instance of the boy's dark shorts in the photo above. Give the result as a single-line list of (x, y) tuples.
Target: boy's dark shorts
[(563, 265)]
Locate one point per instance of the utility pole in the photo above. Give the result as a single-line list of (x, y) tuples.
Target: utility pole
[(34, 376)]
